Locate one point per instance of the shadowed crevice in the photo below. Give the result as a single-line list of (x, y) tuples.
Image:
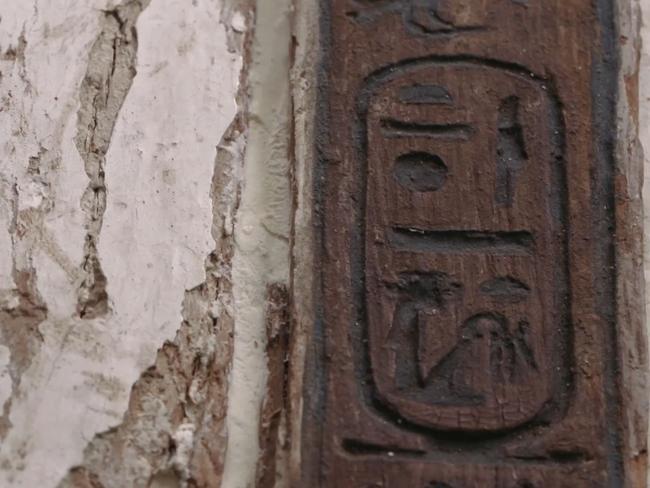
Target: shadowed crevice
[(109, 76)]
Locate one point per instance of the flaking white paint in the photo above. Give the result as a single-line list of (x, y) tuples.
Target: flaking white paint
[(157, 225)]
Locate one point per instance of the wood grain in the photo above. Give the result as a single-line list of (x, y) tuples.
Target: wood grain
[(468, 325)]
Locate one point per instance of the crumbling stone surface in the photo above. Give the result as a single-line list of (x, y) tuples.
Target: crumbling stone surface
[(122, 142)]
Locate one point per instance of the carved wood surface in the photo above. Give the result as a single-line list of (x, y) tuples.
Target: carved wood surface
[(467, 330)]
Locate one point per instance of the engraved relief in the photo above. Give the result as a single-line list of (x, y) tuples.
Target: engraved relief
[(441, 484), (420, 16), (506, 288), (462, 367), (425, 94), (511, 150), (524, 484), (420, 171), (467, 329), (466, 291), (429, 17)]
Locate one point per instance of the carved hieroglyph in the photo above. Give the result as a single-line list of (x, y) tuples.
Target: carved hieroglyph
[(461, 310), (467, 292)]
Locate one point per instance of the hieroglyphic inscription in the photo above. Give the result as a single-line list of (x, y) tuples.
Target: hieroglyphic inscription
[(460, 354), (511, 150), (443, 353), (419, 16), (425, 17), (464, 278)]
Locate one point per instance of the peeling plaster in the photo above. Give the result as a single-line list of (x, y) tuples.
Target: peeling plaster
[(111, 69), (71, 377), (262, 234)]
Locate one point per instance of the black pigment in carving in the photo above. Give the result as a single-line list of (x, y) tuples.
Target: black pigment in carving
[(356, 446), (511, 150), (419, 16), (419, 292), (387, 392), (420, 171), (457, 375), (510, 354), (400, 128), (437, 484), (506, 288), (423, 15), (425, 95), (521, 341), (524, 484), (492, 330), (461, 241)]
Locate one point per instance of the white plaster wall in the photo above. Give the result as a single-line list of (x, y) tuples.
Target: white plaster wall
[(262, 234), (157, 224)]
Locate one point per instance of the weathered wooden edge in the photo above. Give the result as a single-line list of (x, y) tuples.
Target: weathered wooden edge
[(307, 72), (308, 87), (628, 240)]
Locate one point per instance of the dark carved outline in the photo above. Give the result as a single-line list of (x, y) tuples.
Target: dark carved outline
[(604, 77), (369, 13), (564, 383)]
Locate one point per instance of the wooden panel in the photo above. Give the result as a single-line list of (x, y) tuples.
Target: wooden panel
[(467, 329)]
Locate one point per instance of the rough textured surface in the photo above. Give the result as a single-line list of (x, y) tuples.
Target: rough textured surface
[(644, 136), (480, 322), (275, 407), (116, 227), (142, 244), (262, 233), (630, 283), (111, 69), (146, 209), (305, 73)]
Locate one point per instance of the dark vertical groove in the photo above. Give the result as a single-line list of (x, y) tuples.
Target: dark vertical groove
[(511, 150), (604, 98), (565, 355), (315, 377)]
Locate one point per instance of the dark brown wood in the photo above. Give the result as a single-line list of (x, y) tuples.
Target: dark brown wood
[(467, 330), (275, 407)]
